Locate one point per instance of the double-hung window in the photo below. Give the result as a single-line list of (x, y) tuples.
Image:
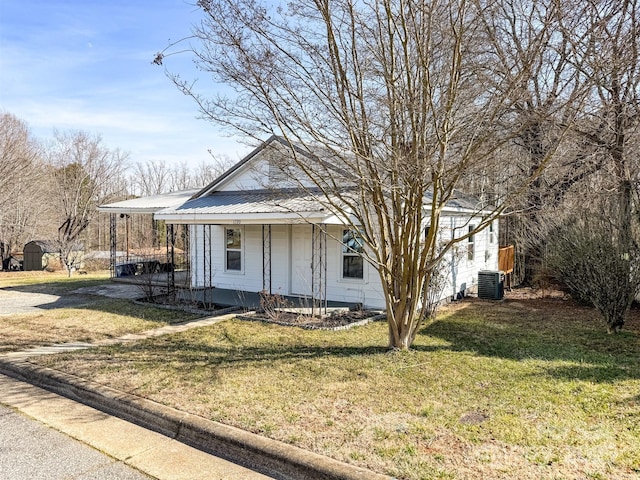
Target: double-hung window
[(352, 249), (233, 249)]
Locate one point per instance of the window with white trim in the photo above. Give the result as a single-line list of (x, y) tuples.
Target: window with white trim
[(233, 249), (491, 233), (352, 261), (471, 247)]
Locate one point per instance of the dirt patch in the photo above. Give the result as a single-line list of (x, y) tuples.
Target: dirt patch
[(473, 418), (111, 290)]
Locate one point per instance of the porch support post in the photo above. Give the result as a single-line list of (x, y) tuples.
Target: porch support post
[(266, 258), (113, 244), (324, 266), (171, 260), (207, 264), (318, 269)]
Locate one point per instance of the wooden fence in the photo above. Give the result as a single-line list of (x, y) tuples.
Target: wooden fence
[(506, 258)]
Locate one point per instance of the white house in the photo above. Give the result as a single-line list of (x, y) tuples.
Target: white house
[(247, 235)]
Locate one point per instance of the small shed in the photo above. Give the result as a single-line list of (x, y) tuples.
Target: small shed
[(39, 254)]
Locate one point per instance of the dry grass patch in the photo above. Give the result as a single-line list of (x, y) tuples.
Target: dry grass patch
[(489, 391), (89, 317), (55, 283)]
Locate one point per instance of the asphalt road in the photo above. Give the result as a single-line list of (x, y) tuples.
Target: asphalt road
[(30, 450)]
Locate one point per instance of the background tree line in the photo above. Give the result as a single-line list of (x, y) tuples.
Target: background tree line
[(50, 188)]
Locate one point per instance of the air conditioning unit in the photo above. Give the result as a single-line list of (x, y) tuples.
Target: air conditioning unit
[(491, 284)]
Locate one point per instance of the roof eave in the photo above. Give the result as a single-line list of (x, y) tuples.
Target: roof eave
[(246, 218), (130, 210)]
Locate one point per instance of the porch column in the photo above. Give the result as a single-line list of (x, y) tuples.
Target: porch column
[(171, 260), (318, 268), (207, 264), (113, 244), (266, 258)]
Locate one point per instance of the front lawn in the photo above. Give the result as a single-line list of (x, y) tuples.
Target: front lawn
[(55, 283), (73, 318), (527, 389)]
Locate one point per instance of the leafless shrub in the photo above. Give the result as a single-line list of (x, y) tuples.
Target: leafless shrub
[(433, 293), (272, 305), (587, 256)]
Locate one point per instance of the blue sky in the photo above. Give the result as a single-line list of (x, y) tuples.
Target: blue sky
[(86, 65)]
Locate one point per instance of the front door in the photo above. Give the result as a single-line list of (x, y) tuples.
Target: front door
[(301, 258)]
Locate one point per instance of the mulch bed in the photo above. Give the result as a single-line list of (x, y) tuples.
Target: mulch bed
[(171, 303), (338, 320), (334, 321)]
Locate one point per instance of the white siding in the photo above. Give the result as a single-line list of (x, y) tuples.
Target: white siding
[(250, 177), (280, 259), (208, 247), (463, 273), (262, 172), (367, 291)]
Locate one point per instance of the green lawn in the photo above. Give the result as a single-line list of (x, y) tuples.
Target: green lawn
[(527, 389)]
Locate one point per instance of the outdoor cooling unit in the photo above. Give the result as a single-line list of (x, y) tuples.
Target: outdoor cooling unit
[(490, 284)]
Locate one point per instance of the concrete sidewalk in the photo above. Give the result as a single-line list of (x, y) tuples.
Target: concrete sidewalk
[(151, 453)]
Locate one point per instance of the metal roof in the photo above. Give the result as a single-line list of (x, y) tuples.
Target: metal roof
[(460, 202), (151, 204), (248, 202), (276, 206)]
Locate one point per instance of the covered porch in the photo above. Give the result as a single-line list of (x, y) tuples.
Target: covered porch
[(283, 244), (157, 256), (225, 297)]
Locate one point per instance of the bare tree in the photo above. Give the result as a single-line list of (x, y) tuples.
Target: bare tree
[(605, 269), (206, 172), (612, 124), (181, 177), (151, 178), (586, 254), (21, 180), (85, 174), (156, 177), (395, 100), (551, 95)]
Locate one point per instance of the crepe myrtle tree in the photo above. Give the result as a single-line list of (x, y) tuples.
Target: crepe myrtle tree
[(398, 97)]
